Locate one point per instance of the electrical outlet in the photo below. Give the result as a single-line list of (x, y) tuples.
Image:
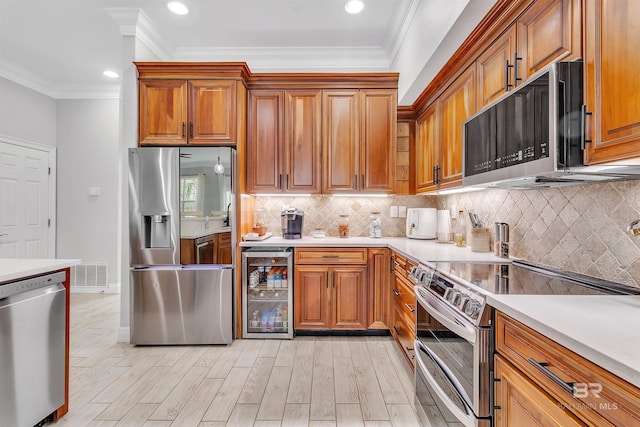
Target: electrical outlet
[(393, 211), (402, 211)]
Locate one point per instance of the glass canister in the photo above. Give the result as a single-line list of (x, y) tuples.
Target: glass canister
[(375, 224), (343, 226)]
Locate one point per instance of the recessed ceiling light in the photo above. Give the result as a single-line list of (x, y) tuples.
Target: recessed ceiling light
[(354, 6), (111, 74), (177, 8)]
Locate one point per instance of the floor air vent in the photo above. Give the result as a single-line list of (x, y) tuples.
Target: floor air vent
[(89, 275)]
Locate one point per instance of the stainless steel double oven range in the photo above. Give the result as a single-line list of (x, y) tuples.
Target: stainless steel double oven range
[(454, 335)]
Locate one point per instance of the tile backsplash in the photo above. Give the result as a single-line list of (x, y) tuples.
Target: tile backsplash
[(578, 228), (323, 212)]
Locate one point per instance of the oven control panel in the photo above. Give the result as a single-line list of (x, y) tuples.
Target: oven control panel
[(461, 298)]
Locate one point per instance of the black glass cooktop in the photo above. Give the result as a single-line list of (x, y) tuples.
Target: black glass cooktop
[(527, 278)]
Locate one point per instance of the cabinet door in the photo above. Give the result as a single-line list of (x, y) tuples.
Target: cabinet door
[(427, 134), (311, 297), (458, 103), (494, 76), (379, 291), (547, 31), (519, 402), (349, 304), (612, 84), (264, 141), (212, 111), (378, 113), (340, 134), (302, 136), (223, 248), (162, 112)]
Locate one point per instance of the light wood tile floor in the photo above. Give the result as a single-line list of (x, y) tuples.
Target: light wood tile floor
[(308, 381)]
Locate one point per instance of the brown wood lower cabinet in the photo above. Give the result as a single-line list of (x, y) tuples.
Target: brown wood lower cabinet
[(403, 318), (520, 402), (330, 297), (541, 383), (330, 289), (222, 254)]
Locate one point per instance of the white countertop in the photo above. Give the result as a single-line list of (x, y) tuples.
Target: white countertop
[(604, 329), (417, 250), (17, 268), (205, 232)]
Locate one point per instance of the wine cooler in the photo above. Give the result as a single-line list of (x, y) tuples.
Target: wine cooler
[(267, 293)]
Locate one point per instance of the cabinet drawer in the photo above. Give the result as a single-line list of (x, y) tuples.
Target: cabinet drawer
[(404, 297), (403, 332), (331, 256), (224, 238), (598, 397)]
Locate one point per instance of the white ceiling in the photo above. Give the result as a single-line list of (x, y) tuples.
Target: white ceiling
[(61, 47)]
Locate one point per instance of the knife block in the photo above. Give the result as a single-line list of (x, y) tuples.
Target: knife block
[(479, 240)]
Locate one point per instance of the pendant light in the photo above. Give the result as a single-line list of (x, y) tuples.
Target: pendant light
[(218, 168)]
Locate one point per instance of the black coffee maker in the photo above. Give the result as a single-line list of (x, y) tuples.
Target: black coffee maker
[(291, 220)]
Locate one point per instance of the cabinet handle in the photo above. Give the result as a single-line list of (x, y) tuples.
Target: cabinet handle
[(183, 128), (391, 262), (436, 174), (396, 329), (356, 181), (408, 348), (516, 58), (506, 76), (287, 181), (542, 366), (333, 280), (362, 182), (330, 256), (583, 126), (280, 182), (190, 130), (327, 273), (411, 309), (396, 292)]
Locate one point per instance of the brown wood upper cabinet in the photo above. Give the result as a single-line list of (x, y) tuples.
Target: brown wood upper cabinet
[(612, 85), (548, 30), (283, 145), (359, 140), (439, 134), (174, 112)]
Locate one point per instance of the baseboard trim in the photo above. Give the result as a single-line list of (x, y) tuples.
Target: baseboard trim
[(340, 332), (124, 334)]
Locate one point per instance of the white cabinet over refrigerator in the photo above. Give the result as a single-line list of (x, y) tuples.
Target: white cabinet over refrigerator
[(267, 293)]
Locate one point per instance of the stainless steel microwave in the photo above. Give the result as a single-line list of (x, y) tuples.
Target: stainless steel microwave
[(533, 136)]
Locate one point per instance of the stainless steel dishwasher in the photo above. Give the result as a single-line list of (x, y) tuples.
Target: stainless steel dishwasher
[(32, 349)]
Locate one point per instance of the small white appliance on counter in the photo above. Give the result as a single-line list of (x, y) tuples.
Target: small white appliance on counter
[(422, 223)]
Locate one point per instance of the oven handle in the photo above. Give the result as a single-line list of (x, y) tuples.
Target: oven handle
[(446, 316), (467, 419)]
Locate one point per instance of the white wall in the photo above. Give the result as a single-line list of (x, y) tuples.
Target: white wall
[(421, 55), (26, 114), (88, 138)]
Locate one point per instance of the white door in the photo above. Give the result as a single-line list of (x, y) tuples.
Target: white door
[(24, 202)]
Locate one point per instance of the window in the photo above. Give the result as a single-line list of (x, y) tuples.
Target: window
[(189, 190)]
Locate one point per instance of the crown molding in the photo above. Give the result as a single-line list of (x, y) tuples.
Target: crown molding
[(134, 22), (396, 37), (296, 58), (23, 77)]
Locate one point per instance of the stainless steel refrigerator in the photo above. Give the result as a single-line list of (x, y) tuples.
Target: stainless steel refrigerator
[(172, 303)]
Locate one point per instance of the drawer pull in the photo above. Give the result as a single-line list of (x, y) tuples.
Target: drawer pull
[(396, 292), (397, 331), (408, 348), (330, 256), (542, 366), (411, 309)]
